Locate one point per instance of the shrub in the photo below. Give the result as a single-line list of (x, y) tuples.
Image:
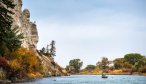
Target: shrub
[(127, 65), (90, 67), (34, 75), (2, 74), (31, 75), (142, 69), (26, 58), (15, 65), (126, 70), (117, 71), (3, 62), (22, 62)]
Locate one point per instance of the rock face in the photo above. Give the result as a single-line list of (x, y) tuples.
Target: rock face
[(21, 21), (25, 26)]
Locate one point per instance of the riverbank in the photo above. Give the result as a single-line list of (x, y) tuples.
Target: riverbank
[(135, 73), (98, 71), (5, 82)]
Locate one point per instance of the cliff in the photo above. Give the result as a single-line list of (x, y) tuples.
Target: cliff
[(25, 26), (22, 22)]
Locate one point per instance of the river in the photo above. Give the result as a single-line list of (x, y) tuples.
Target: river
[(91, 79)]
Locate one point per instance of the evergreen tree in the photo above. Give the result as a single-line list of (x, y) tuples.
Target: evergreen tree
[(43, 50), (9, 37), (53, 49)]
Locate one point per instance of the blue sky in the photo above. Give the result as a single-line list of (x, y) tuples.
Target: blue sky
[(90, 29)]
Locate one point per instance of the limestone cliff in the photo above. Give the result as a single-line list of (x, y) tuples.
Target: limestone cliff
[(25, 26), (22, 22)]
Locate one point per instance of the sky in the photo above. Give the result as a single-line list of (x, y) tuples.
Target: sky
[(90, 29)]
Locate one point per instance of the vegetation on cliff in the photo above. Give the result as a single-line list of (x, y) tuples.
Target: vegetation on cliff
[(18, 63), (15, 62), (50, 50), (10, 40)]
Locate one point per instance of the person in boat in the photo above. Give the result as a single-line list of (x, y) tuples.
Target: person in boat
[(104, 76)]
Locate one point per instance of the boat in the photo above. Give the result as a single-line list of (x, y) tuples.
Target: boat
[(104, 76)]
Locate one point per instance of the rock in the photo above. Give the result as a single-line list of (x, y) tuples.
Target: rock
[(21, 21), (5, 82), (25, 26)]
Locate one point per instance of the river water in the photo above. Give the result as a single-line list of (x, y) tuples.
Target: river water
[(91, 79)]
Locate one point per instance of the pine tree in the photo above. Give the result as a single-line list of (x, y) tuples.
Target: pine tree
[(9, 37), (53, 49)]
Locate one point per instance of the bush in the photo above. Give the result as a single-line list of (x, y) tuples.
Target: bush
[(34, 75), (15, 65), (143, 69), (26, 59), (22, 62), (4, 62), (126, 70), (117, 71), (127, 65), (90, 67), (2, 74)]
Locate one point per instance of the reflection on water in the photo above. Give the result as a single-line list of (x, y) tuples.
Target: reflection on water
[(92, 79)]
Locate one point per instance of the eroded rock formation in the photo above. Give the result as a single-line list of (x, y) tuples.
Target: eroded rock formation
[(29, 30), (25, 26)]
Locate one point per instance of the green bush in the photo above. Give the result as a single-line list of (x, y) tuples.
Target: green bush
[(90, 67)]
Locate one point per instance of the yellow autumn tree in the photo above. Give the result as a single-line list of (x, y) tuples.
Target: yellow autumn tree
[(25, 61), (15, 65)]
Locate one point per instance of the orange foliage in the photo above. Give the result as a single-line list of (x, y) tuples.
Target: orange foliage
[(34, 75), (15, 65), (26, 59), (116, 71)]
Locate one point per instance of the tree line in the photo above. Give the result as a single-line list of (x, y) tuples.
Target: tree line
[(132, 62)]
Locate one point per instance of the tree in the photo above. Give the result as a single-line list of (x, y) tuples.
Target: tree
[(50, 50), (122, 63), (140, 64), (9, 37), (43, 50), (53, 49), (13, 40), (142, 69), (127, 65), (23, 62), (119, 63), (5, 18), (76, 64), (90, 67), (133, 58), (104, 63), (70, 68)]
